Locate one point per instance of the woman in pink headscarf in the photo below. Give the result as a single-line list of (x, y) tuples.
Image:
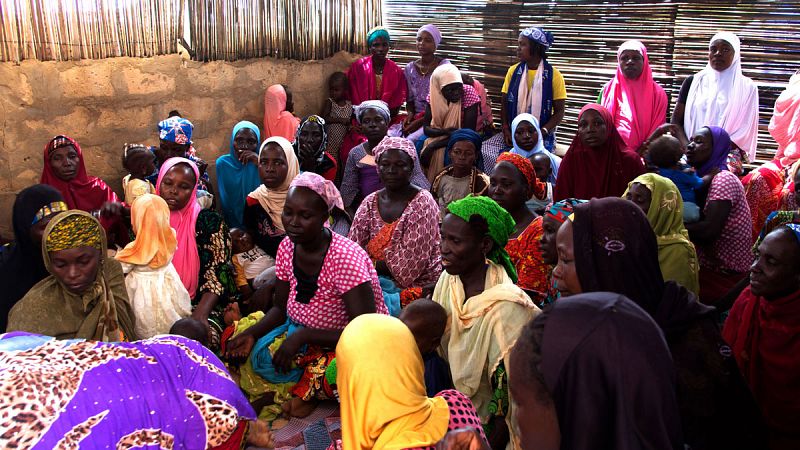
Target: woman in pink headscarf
[(203, 256), (278, 117), (637, 103)]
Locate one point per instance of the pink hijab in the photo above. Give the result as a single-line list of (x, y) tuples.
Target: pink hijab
[(186, 259), (785, 123), (278, 121), (638, 106)]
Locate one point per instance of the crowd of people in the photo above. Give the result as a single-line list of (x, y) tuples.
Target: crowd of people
[(448, 283)]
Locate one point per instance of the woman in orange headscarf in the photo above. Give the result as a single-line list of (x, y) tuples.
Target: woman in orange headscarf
[(278, 117)]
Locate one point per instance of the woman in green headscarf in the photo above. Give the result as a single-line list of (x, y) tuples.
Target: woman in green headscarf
[(486, 311), (84, 297), (661, 201)]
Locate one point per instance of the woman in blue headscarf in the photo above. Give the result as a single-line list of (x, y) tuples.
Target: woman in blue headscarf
[(237, 172), (526, 137)]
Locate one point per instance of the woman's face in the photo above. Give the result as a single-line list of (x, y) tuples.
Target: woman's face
[(272, 166), (37, 230), (700, 147), (507, 186), (65, 161), (547, 244), (75, 268), (720, 55), (177, 186), (536, 418), (311, 136), (304, 215), (631, 63), (526, 136), (245, 141), (379, 48), (592, 129), (640, 195), (524, 49), (565, 274), (169, 149), (775, 272), (453, 92), (425, 44), (463, 155), (374, 125), (395, 168), (462, 249)]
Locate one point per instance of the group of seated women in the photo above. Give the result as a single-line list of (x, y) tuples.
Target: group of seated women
[(448, 286)]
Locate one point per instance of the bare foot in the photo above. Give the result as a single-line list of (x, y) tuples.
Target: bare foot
[(259, 434), (296, 407)]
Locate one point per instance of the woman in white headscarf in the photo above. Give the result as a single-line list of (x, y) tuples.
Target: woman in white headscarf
[(418, 78), (720, 95)]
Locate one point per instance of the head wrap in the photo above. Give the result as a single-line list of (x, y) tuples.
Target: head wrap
[(186, 259), (322, 187), (555, 161), (785, 123), (378, 105), (561, 211), (278, 121), (434, 32), (175, 129), (726, 98), (236, 180), (375, 33), (539, 36), (501, 225), (384, 404), (395, 143), (48, 210), (155, 241), (638, 106), (74, 230), (637, 392), (721, 147), (272, 200), (795, 229), (464, 134), (320, 152), (82, 192), (524, 166)]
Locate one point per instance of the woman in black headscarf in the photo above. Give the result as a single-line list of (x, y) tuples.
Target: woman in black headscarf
[(609, 246), (21, 264)]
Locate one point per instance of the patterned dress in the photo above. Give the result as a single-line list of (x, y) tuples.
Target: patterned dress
[(731, 251), (526, 254), (337, 132)]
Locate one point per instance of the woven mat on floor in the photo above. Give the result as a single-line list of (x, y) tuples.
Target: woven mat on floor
[(315, 432)]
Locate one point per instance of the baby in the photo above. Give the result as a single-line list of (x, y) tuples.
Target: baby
[(250, 262), (192, 329), (427, 321), (665, 152), (140, 163), (543, 168)]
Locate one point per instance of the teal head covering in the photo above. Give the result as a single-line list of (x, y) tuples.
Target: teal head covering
[(375, 33), (500, 222)]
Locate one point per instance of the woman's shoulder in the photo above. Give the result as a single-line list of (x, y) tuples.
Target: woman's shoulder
[(343, 248), (425, 199), (727, 179)]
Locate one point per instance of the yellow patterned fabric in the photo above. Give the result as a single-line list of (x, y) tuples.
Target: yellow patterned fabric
[(48, 210), (74, 231)]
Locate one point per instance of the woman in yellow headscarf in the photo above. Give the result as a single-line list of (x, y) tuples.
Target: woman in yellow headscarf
[(661, 201), (383, 401), (156, 292)]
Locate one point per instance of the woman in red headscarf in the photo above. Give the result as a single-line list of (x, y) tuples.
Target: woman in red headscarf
[(597, 163)]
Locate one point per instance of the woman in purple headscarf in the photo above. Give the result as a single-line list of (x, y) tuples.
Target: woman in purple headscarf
[(418, 77), (723, 234)]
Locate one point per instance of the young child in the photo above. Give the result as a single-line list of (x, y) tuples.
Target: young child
[(665, 152), (338, 115), (140, 163), (249, 261), (462, 177), (543, 168), (192, 329), (427, 321), (155, 290)]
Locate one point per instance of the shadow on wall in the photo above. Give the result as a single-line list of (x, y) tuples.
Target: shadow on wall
[(106, 103)]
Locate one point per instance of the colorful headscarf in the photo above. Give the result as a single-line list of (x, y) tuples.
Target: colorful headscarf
[(272, 200), (236, 180), (775, 219), (795, 229), (500, 222), (74, 230), (278, 121), (320, 153), (785, 123), (396, 143), (186, 259), (377, 32), (48, 210), (175, 129), (525, 167), (465, 134), (721, 142), (539, 36), (434, 32), (377, 105), (155, 241), (322, 187), (562, 211)]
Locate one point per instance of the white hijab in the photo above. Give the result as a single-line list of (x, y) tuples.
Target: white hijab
[(726, 99)]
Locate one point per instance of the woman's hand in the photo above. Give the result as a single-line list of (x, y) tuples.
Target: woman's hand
[(114, 209), (239, 347), (284, 357), (462, 439), (248, 157), (507, 137)]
